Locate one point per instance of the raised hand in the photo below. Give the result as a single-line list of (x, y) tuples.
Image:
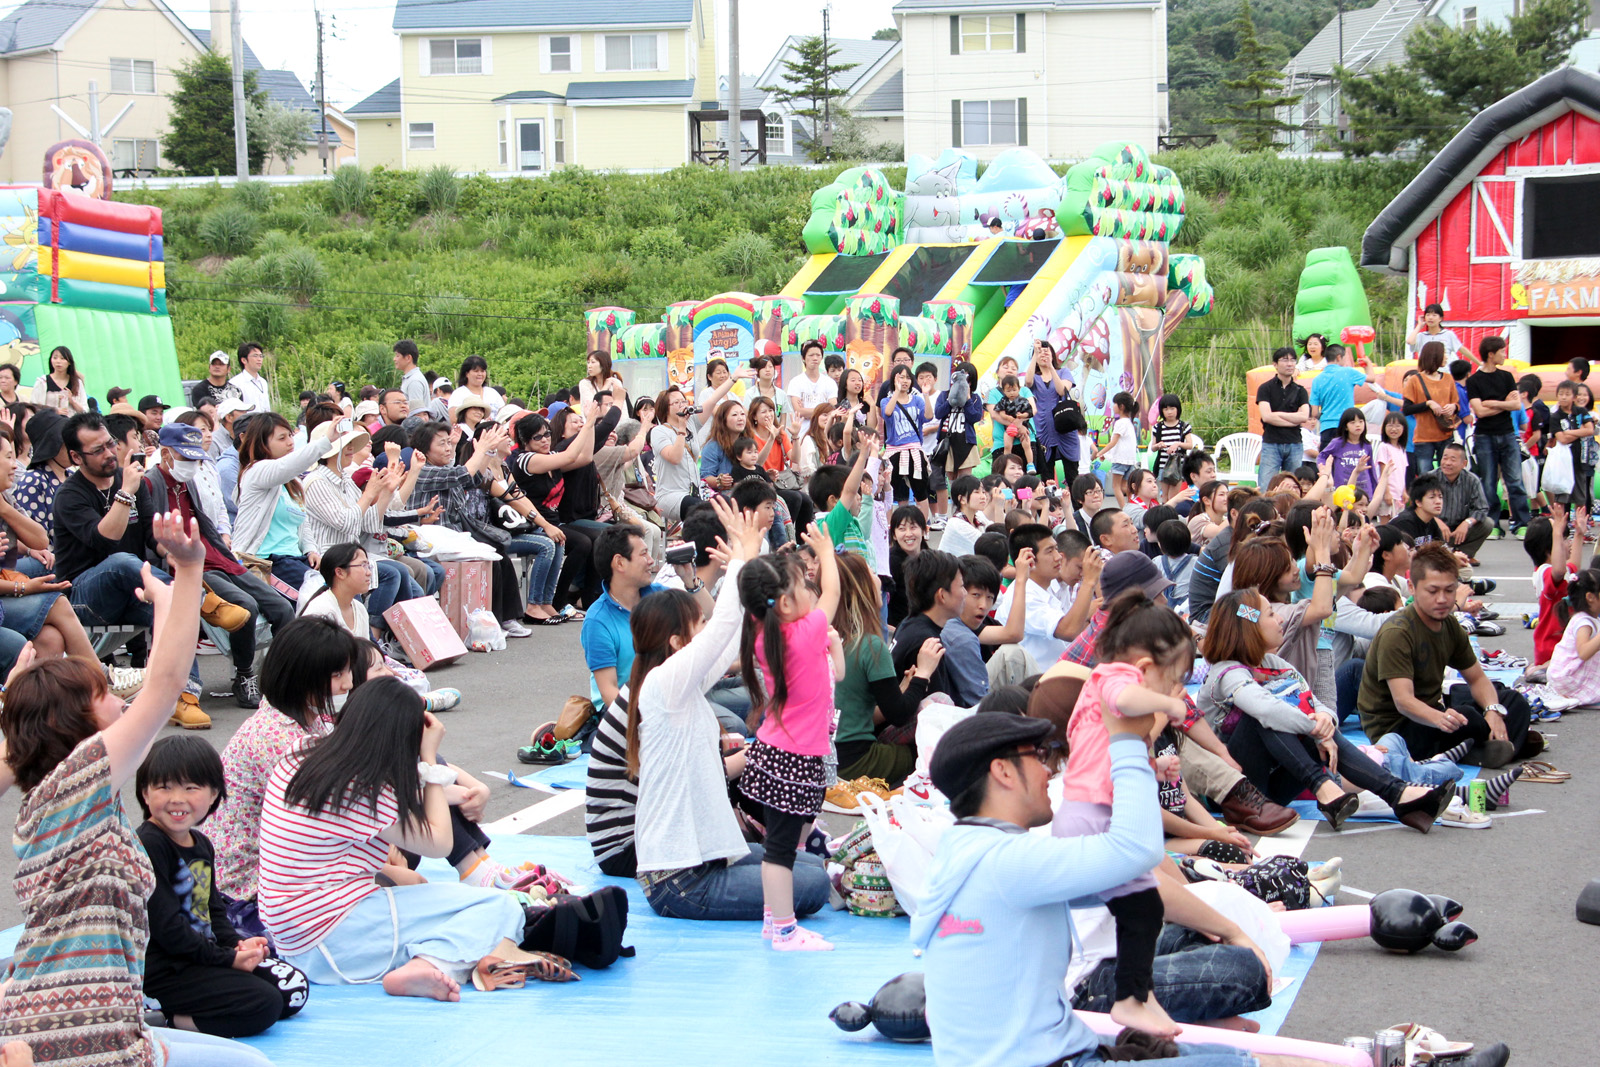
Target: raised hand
[(25, 659), (181, 542)]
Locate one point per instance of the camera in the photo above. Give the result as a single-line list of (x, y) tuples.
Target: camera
[(681, 555)]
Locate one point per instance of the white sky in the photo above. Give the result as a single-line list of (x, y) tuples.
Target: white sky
[(364, 55)]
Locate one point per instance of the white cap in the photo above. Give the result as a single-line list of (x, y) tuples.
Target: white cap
[(230, 406)]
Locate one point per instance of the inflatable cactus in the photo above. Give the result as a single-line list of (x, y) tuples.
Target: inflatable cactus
[(679, 321), (1331, 296), (1118, 192), (955, 318)]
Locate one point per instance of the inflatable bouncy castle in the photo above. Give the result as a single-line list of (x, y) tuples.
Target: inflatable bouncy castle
[(89, 274), (1082, 261)]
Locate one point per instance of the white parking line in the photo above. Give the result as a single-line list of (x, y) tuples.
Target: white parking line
[(542, 812)]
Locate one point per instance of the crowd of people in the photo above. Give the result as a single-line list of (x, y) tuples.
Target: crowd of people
[(772, 580)]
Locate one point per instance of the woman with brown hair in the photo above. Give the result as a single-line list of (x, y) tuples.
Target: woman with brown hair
[(1266, 565), (1283, 738), (271, 501), (728, 424), (75, 993), (598, 376), (814, 448), (1430, 395)]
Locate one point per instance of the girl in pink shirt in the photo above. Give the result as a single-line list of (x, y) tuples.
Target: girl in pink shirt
[(789, 645), (1145, 651)]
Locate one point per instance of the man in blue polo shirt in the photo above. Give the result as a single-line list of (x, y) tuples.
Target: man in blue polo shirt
[(622, 557), (1334, 390)]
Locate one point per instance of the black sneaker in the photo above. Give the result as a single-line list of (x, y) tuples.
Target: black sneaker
[(246, 693), (1482, 586)]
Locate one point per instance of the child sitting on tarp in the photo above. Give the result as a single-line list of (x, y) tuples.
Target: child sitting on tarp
[(204, 976)]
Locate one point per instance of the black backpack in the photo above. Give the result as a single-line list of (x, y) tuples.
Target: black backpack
[(586, 930), (1068, 416)]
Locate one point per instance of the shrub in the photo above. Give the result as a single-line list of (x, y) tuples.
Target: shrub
[(296, 272), (229, 230), (358, 242), (743, 254), (375, 364), (274, 241), (657, 242), (266, 317), (256, 196), (440, 189), (349, 190), (445, 313), (499, 230)]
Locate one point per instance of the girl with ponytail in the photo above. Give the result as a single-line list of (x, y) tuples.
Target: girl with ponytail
[(789, 643)]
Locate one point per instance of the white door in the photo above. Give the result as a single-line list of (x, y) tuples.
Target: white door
[(530, 144)]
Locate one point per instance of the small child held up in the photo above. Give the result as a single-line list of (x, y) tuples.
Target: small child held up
[(203, 975), (1018, 412), (789, 646), (1145, 651)]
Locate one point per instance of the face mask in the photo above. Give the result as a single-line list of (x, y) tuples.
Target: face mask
[(185, 469)]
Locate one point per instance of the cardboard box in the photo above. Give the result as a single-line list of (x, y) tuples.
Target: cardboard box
[(465, 590), (423, 631)]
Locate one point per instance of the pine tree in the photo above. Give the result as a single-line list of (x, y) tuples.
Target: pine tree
[(199, 138), (1254, 121), (811, 80)]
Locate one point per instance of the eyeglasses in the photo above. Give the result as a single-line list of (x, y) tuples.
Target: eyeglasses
[(109, 446)]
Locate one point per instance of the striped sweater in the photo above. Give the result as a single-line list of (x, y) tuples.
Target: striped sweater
[(611, 796)]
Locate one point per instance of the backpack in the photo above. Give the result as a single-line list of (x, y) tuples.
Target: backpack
[(586, 930), (1068, 416)]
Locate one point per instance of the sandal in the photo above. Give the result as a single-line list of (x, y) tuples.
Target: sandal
[(1538, 772), (493, 972), (1424, 1045), (571, 614), (548, 967)]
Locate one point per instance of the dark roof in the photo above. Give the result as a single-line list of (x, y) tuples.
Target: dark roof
[(250, 60), (1505, 121), (668, 90), (527, 94), (283, 87), (40, 23), (890, 96), (385, 101), (491, 14)]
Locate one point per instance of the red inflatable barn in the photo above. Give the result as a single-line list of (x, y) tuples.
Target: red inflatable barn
[(1502, 228)]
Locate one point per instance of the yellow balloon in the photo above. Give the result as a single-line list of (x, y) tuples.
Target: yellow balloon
[(1344, 497)]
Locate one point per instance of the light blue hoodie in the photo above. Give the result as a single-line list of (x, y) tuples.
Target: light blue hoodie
[(996, 931)]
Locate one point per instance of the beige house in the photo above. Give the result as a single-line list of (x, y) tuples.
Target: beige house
[(50, 50), (1057, 76), (509, 86)]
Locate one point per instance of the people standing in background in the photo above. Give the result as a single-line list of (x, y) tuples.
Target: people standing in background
[(1313, 354), (1048, 384), (1334, 390), (1430, 395), (1285, 406), (811, 389), (62, 387), (1429, 328), (1494, 396), (253, 388), (473, 380), (215, 386), (598, 377), (412, 381)]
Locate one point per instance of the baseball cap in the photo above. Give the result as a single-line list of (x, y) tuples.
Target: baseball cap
[(116, 393), (221, 357), (1128, 569), (150, 400), (962, 757), (182, 439), (231, 405)]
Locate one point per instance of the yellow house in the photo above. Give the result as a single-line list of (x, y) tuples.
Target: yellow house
[(510, 86), (1057, 76), (51, 50)]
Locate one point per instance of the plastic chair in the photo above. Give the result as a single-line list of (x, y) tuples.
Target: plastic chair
[(1242, 450)]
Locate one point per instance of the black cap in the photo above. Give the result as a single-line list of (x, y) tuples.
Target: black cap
[(962, 757), (44, 435), (152, 401)]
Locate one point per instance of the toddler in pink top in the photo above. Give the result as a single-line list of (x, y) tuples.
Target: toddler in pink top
[(789, 646), (1145, 650)]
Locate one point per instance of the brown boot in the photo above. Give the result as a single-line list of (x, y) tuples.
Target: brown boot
[(1244, 807)]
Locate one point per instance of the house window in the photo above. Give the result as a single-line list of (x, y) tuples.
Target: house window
[(1469, 18), (460, 55), (133, 76), (134, 155), (561, 55), (774, 131), (1558, 217), (502, 142), (988, 33), (989, 122), (558, 144), (635, 51), (419, 135)]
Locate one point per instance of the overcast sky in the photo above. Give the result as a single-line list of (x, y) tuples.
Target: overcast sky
[(364, 55)]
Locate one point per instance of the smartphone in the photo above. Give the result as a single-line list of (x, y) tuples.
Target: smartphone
[(139, 458)]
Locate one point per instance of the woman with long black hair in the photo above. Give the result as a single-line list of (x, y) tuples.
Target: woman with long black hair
[(62, 386)]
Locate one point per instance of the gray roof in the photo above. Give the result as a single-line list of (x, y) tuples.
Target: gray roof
[(283, 87), (666, 90), (862, 53), (40, 23), (250, 60), (1374, 38), (890, 96), (385, 101), (526, 94), (489, 14)]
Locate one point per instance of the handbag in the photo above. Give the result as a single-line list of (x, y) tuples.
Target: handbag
[(1172, 470), (1559, 476), (941, 451)]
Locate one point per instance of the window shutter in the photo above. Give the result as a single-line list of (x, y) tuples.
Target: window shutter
[(424, 57), (1022, 34), (1022, 119), (544, 58), (955, 124), (661, 52), (955, 35)]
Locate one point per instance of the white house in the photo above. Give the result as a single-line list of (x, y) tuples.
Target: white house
[(871, 95)]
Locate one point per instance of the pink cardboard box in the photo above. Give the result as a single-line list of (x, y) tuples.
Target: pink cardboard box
[(424, 632), (465, 590)]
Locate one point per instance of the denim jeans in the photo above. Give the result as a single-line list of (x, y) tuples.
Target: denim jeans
[(546, 566), (1499, 457), (256, 597), (731, 701), (1347, 683), (188, 1049), (394, 584), (733, 891), (435, 575), (1189, 1055), (1428, 453), (1196, 980), (1275, 457), (1397, 760)]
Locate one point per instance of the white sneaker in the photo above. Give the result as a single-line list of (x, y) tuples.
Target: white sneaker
[(124, 682), (936, 522), (1464, 818), (514, 628)]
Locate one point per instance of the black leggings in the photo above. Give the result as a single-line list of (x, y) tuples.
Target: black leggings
[(903, 485), (1138, 918), (1045, 464), (225, 1002), (465, 839), (801, 509), (505, 593), (783, 836), (577, 567), (1282, 765)]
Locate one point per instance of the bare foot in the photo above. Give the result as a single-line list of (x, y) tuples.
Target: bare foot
[(16, 1054), (1236, 1022), (1150, 1017), (419, 978)]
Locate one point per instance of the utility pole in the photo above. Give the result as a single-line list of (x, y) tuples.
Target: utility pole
[(735, 116), (241, 147), (322, 99), (827, 97)]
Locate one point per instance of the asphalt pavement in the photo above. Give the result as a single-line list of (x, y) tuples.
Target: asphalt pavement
[(1528, 981)]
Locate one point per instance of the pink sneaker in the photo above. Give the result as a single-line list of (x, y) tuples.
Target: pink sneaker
[(800, 940)]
